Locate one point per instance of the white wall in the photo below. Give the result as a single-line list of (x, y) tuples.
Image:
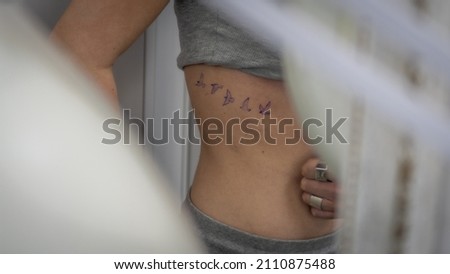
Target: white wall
[(165, 93)]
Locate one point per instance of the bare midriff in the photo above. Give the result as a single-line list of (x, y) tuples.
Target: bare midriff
[(248, 176)]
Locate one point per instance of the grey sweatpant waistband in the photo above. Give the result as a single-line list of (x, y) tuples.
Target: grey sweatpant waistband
[(222, 238)]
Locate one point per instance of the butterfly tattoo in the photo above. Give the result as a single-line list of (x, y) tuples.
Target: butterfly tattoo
[(215, 87), (228, 98), (200, 82), (245, 106), (265, 110)]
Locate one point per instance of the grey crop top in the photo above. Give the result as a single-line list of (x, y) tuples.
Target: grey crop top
[(207, 38)]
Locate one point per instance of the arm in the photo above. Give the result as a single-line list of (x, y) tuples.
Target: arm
[(98, 31)]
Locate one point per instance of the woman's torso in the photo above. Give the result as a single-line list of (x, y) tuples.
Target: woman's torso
[(244, 181), (252, 186)]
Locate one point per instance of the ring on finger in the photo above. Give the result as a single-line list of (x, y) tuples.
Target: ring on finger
[(321, 172), (315, 202)]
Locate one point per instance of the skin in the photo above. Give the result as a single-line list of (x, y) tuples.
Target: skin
[(260, 188), (96, 32)]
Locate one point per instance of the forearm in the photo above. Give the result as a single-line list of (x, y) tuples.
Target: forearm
[(96, 32), (102, 74), (106, 82)]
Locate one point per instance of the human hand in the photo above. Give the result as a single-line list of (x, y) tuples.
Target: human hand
[(319, 189)]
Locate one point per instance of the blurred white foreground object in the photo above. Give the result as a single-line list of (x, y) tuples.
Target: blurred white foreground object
[(397, 125), (61, 189)]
